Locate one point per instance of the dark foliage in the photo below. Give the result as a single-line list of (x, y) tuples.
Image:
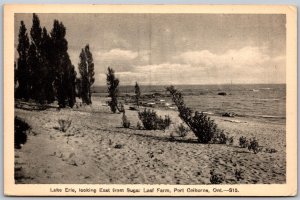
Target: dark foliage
[(64, 124), (182, 130), (203, 127), (112, 89), (21, 129), (253, 146), (22, 71), (239, 174), (44, 71), (37, 62), (151, 121), (86, 70), (125, 121), (47, 51), (243, 142), (216, 178), (137, 92), (65, 74), (221, 138)]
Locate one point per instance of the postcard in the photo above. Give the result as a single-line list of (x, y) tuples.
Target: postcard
[(150, 100)]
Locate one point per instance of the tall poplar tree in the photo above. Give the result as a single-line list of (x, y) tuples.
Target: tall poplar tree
[(86, 70), (112, 89), (22, 70), (65, 75), (47, 52), (137, 92), (37, 62)]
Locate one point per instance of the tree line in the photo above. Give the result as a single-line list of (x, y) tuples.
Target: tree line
[(44, 72)]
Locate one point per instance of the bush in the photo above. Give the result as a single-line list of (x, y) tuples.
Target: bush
[(243, 142), (181, 130), (271, 150), (125, 121), (239, 174), (203, 127), (151, 121), (229, 140), (253, 146), (21, 129), (121, 108), (64, 124), (221, 138), (216, 178)]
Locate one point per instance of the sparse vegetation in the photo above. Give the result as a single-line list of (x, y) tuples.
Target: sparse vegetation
[(64, 124), (112, 88), (243, 142), (182, 130), (216, 178), (21, 128), (253, 145), (151, 121), (86, 70), (203, 127), (125, 121), (239, 174), (137, 92), (221, 138), (139, 126), (270, 150)]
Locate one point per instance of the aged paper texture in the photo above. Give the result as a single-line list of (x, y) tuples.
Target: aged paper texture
[(150, 100)]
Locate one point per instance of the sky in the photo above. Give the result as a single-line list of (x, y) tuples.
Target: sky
[(164, 49)]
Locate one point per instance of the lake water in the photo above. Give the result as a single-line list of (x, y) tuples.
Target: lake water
[(258, 101)]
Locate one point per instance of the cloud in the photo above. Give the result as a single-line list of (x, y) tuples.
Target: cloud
[(244, 65), (237, 58), (117, 54)]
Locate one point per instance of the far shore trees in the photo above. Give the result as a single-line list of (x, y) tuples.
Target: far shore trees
[(86, 70), (137, 92), (112, 89)]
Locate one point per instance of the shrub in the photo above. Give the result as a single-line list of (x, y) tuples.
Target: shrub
[(64, 124), (125, 121), (229, 140), (221, 138), (271, 150), (21, 127), (253, 146), (216, 178), (121, 108), (151, 121), (243, 142), (239, 174), (203, 127), (181, 130)]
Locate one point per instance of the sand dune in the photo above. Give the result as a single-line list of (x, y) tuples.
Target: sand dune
[(96, 149)]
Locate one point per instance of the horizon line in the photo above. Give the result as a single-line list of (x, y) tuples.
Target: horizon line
[(198, 84)]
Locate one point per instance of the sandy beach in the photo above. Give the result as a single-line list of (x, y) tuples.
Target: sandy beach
[(97, 149)]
